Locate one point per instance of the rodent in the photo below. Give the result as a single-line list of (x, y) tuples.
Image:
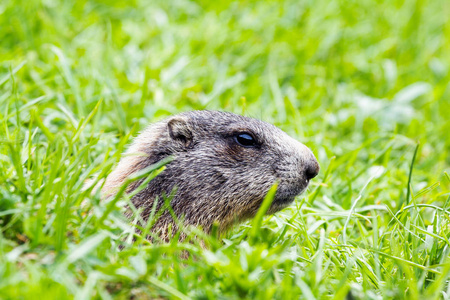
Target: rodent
[(223, 166)]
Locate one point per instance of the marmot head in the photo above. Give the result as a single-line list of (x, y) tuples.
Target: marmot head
[(224, 164)]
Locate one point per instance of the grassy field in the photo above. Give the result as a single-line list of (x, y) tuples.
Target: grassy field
[(364, 84)]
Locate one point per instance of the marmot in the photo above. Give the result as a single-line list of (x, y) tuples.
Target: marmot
[(223, 166)]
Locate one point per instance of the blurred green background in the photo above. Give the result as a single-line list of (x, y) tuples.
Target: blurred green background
[(362, 83)]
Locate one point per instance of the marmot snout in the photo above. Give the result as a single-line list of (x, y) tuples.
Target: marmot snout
[(224, 164)]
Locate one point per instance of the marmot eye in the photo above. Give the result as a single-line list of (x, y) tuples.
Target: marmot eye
[(245, 140)]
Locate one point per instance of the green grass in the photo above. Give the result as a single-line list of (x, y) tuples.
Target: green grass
[(365, 84)]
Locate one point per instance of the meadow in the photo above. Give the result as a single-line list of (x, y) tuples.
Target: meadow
[(364, 84)]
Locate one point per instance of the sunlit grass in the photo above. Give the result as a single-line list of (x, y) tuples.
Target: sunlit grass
[(365, 85)]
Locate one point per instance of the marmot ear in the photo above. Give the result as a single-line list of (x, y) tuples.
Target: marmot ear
[(180, 130)]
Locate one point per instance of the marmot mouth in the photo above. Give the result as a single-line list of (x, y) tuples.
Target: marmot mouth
[(284, 199), (287, 193), (280, 202)]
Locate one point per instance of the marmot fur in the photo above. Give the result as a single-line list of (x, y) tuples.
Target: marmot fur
[(223, 166)]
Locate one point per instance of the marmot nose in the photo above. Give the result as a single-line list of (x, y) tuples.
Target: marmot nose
[(312, 169)]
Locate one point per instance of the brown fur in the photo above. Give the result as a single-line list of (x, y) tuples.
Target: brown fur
[(216, 179)]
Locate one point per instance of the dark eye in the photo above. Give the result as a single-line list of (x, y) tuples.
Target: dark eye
[(245, 140)]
